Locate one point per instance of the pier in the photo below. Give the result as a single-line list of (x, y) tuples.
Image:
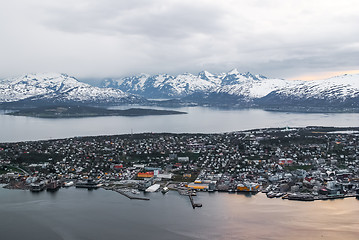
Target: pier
[(130, 196), (194, 205)]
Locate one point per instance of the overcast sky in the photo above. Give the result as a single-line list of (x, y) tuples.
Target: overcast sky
[(292, 39)]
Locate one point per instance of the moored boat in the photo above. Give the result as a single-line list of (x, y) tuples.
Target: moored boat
[(135, 191), (301, 197), (53, 186), (89, 184), (68, 184), (37, 187), (165, 190), (271, 194)]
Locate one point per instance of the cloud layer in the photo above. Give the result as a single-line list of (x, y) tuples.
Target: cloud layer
[(96, 38)]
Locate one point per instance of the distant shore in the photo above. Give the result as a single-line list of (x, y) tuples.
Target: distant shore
[(86, 111)]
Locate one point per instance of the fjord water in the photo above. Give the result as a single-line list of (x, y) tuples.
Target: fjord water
[(73, 214), (198, 120)]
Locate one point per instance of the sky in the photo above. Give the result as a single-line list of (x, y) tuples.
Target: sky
[(288, 39)]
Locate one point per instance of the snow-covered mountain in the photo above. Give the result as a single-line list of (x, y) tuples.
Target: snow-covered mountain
[(339, 91), (57, 88), (166, 86), (244, 89), (231, 89), (339, 87), (161, 86)]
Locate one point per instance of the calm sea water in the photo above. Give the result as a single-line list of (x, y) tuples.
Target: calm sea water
[(198, 120), (74, 214)]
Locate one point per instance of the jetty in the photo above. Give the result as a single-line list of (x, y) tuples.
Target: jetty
[(130, 196), (194, 205)]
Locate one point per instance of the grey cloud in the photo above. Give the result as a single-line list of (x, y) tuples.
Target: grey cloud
[(117, 37), (289, 67), (153, 19)]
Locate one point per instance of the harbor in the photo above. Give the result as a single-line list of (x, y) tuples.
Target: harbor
[(322, 165)]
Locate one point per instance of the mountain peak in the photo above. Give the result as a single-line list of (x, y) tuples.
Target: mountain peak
[(234, 71), (205, 75), (47, 75), (204, 72)]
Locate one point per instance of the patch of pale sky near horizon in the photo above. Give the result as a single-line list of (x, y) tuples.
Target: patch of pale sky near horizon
[(323, 75), (285, 39)]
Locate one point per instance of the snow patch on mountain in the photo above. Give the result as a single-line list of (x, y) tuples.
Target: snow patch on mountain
[(55, 85), (339, 87), (246, 86), (233, 87), (182, 85)]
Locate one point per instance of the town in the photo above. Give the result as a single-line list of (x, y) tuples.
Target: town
[(306, 164)]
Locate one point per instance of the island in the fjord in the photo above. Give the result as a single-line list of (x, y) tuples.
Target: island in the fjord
[(86, 111)]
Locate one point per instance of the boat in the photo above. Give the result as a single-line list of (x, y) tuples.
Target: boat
[(165, 190), (301, 197), (192, 192), (53, 186), (271, 194), (280, 194), (89, 184), (333, 196), (37, 187), (135, 191), (68, 184)]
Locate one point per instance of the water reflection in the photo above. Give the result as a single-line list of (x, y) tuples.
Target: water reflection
[(80, 214)]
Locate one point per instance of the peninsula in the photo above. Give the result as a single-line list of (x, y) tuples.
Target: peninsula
[(86, 111), (303, 164)]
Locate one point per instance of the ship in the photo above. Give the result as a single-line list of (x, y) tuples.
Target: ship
[(89, 184), (53, 186), (248, 187), (165, 190), (37, 187), (271, 194), (68, 184), (135, 191), (301, 197)]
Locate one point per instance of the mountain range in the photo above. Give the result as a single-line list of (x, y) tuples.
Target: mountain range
[(232, 89), (183, 85), (56, 89), (237, 89)]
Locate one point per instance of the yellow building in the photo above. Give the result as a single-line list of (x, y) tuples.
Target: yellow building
[(248, 187), (198, 186)]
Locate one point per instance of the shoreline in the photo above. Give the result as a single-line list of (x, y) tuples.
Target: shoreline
[(126, 191)]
